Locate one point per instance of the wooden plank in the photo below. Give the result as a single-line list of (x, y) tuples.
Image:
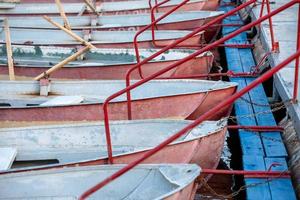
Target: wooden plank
[(7, 157), (261, 190), (281, 188), (275, 147), (250, 161), (250, 142), (9, 53), (69, 32)]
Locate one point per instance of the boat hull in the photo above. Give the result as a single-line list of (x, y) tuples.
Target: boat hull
[(211, 5), (142, 182), (189, 43), (205, 152), (160, 107), (199, 65)]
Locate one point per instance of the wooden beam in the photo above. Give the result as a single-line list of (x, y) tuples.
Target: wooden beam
[(62, 63), (9, 53), (63, 14), (69, 32), (89, 4)]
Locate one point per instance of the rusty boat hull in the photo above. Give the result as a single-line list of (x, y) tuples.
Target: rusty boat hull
[(85, 144), (100, 39), (21, 101), (105, 64), (104, 8), (165, 181)]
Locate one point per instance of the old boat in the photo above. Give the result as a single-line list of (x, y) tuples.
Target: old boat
[(85, 143), (104, 8), (164, 181), (83, 100), (176, 21), (100, 39), (101, 63)]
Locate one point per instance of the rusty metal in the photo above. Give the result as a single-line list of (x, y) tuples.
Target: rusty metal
[(249, 174), (257, 128)]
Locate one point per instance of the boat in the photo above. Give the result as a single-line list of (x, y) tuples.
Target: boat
[(104, 8), (165, 181), (79, 100), (101, 63), (84, 144), (188, 20), (100, 39)]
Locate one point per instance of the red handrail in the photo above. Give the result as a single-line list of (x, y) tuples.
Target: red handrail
[(296, 77), (275, 46), (135, 43), (207, 114), (138, 65)]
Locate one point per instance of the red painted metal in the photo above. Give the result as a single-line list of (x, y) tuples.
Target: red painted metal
[(200, 5), (198, 65), (275, 44), (211, 112), (148, 26), (296, 77), (193, 151), (211, 75), (258, 128), (164, 49)]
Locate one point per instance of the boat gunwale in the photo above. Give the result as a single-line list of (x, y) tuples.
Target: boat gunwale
[(158, 167), (213, 87)]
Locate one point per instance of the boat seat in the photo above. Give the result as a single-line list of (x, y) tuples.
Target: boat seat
[(63, 100), (7, 5), (7, 157)]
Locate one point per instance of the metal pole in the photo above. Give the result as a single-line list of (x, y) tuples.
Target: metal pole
[(296, 76)]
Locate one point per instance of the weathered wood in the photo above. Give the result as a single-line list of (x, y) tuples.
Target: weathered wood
[(69, 32), (89, 4), (62, 63), (9, 51), (63, 14)]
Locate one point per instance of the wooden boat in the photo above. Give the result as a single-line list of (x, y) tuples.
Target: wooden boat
[(100, 39), (104, 8), (177, 21), (83, 100), (166, 181), (85, 143), (101, 63)]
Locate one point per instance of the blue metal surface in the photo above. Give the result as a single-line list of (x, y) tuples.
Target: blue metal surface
[(259, 150)]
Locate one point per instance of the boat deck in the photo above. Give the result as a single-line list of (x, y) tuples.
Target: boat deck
[(259, 150), (285, 32)]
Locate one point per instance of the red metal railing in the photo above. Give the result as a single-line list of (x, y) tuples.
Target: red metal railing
[(164, 49), (135, 43), (275, 45), (207, 114)]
